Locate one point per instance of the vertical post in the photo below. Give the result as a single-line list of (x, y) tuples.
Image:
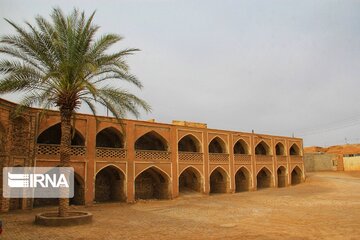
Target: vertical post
[(174, 161), (130, 156), (253, 161), (231, 164), (206, 163)]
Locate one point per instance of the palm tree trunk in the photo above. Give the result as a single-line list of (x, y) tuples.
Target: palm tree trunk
[(65, 152)]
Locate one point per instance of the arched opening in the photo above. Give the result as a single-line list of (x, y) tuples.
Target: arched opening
[(110, 185), (151, 141), (281, 175), (218, 181), (190, 181), (296, 176), (264, 178), (262, 149), (241, 147), (109, 138), (217, 145), (280, 150), (294, 150), (152, 184), (189, 144), (242, 180), (79, 191), (52, 135)]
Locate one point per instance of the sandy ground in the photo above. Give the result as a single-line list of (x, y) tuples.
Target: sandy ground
[(326, 206)]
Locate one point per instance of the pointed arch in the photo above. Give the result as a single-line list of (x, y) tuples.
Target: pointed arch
[(241, 147), (110, 184), (190, 180), (52, 135), (281, 175), (262, 149), (113, 166), (219, 181), (217, 145), (280, 149), (152, 183), (109, 137), (151, 141), (189, 143), (296, 175), (294, 150), (264, 178), (242, 180)]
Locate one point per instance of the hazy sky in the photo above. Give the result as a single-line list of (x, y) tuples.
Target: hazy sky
[(278, 67)]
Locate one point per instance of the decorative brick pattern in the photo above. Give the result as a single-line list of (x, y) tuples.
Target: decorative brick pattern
[(218, 157), (296, 159), (152, 155), (281, 159), (110, 153), (190, 157), (262, 159), (242, 158), (50, 149)]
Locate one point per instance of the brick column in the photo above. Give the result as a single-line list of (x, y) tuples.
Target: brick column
[(206, 163), (174, 161), (253, 161), (231, 164), (130, 157)]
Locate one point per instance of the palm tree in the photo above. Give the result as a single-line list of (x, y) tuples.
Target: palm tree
[(59, 63)]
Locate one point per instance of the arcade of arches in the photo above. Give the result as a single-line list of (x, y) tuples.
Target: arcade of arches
[(146, 159)]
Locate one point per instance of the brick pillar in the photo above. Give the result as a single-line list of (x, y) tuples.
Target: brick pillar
[(231, 164), (274, 182), (90, 161), (130, 156), (206, 163), (253, 161), (174, 160)]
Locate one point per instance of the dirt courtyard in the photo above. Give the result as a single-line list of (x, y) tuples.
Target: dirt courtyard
[(326, 206)]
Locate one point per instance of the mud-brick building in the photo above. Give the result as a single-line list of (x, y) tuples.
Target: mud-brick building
[(144, 159)]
